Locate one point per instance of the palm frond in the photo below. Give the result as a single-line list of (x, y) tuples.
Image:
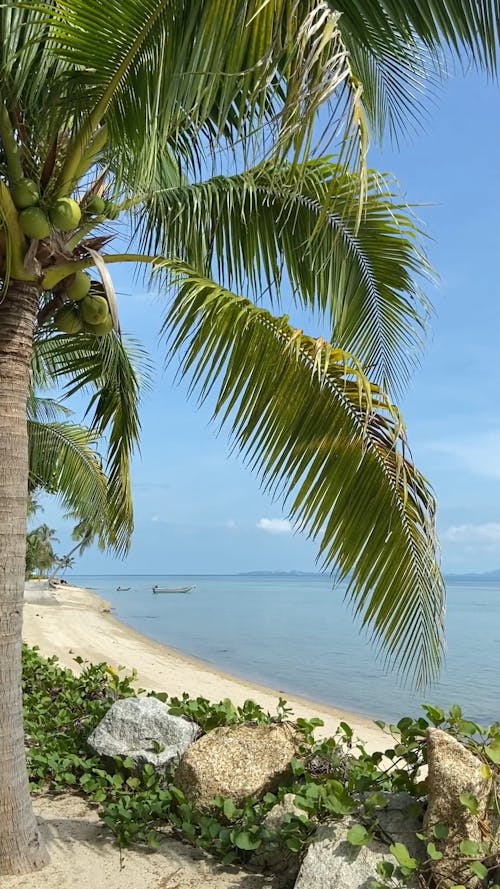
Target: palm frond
[(329, 443), (189, 75), (397, 50), (470, 28), (45, 410), (267, 228), (105, 368), (63, 461), (30, 74)]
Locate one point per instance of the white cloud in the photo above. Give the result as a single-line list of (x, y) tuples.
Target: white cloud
[(275, 526), (488, 532)]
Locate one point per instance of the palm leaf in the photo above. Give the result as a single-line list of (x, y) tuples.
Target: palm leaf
[(30, 75), (63, 462), (329, 443), (471, 28), (189, 75), (397, 49), (105, 368), (266, 228), (45, 410)]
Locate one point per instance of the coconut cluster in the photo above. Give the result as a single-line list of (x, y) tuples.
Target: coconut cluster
[(87, 309), (64, 214)]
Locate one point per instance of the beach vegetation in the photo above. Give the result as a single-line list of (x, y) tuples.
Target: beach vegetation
[(138, 103), (331, 779)]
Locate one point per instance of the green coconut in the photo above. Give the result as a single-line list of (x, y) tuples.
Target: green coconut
[(79, 286), (34, 223), (94, 309), (96, 206), (65, 214), (68, 320), (25, 193), (101, 329)]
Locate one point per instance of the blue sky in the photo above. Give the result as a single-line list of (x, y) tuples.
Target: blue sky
[(199, 510)]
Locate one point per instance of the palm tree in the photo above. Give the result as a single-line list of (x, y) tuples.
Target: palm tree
[(84, 533), (124, 106), (65, 562), (40, 554)]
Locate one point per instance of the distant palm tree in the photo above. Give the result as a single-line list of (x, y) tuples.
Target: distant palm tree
[(121, 106), (65, 562), (40, 556), (84, 533)]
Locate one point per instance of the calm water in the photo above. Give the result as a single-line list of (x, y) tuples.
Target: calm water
[(295, 634)]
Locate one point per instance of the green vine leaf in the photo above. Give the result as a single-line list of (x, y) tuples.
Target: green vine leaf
[(470, 802), (244, 840), (478, 868), (403, 857), (493, 751), (470, 848), (358, 835)]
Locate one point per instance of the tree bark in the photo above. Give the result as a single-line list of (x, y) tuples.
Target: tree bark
[(21, 847)]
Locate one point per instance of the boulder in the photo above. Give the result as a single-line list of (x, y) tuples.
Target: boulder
[(454, 770), (332, 862), (144, 730), (237, 762)]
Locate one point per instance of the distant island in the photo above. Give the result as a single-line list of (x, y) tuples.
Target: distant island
[(475, 575), (471, 575), (278, 574)]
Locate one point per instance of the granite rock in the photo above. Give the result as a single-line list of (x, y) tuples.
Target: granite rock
[(144, 730), (454, 770), (236, 762), (332, 862)]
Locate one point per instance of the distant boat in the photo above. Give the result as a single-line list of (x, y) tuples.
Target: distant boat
[(122, 589), (173, 589)]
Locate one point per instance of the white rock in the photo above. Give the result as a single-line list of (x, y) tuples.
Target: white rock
[(144, 730)]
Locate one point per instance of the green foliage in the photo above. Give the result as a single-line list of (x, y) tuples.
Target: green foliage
[(209, 716), (60, 711), (63, 459), (358, 835), (40, 555), (329, 778)]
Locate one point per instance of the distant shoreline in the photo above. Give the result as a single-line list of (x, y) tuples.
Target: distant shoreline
[(493, 576)]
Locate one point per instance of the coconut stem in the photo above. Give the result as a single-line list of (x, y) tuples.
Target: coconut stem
[(56, 273)]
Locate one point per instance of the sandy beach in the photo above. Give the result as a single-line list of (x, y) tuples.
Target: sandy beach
[(70, 621)]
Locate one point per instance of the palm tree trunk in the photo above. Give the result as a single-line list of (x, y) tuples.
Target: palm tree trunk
[(21, 848)]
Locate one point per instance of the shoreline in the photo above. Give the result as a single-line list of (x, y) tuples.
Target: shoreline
[(51, 622)]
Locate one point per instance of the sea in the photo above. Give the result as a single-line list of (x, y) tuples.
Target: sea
[(296, 634)]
